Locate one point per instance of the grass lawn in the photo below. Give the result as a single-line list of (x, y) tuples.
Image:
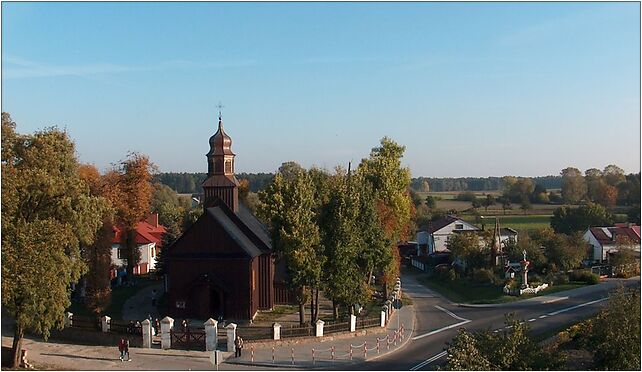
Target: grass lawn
[(275, 313), (517, 222), (467, 291)]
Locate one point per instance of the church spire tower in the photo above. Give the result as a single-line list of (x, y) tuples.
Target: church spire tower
[(221, 182)]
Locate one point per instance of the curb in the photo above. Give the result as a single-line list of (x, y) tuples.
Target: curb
[(403, 344)]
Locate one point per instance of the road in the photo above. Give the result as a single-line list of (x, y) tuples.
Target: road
[(437, 321)]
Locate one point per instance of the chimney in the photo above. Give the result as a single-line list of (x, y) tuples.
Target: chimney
[(152, 219)]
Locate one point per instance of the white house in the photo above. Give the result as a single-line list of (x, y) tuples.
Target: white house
[(148, 239), (436, 237), (603, 241)]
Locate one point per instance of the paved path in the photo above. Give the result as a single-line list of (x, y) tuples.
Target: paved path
[(363, 346), (139, 306), (59, 355)]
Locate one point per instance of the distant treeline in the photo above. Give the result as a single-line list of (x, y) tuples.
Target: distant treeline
[(190, 183), (476, 183)]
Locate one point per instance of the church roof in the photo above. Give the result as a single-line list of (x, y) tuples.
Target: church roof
[(234, 231), (221, 180), (254, 224)]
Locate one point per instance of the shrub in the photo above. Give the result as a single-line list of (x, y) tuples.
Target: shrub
[(560, 278), (585, 276), (485, 276), (445, 273)]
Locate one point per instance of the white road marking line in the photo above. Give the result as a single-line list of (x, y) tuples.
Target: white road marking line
[(463, 321), (440, 330), (449, 313), (576, 306), (532, 320), (429, 360), (543, 316)]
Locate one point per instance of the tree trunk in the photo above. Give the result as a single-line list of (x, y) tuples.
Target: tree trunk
[(302, 306), (370, 277), (385, 290), (18, 335), (312, 320), (335, 310), (316, 305)]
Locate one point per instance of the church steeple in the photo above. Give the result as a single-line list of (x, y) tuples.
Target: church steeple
[(221, 182)]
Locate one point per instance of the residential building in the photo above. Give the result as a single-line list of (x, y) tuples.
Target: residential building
[(604, 241), (148, 240)]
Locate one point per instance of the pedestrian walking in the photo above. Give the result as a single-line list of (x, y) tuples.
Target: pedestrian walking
[(126, 351), (121, 349), (239, 345)]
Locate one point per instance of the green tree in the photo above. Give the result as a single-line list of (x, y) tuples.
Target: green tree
[(288, 206), (464, 355), (567, 220), (565, 252), (509, 350), (515, 250), (390, 181), (47, 213), (624, 261), (614, 335), (431, 202), (573, 185), (468, 247), (344, 282), (489, 201)]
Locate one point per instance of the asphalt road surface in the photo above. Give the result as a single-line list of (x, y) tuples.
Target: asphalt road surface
[(437, 322)]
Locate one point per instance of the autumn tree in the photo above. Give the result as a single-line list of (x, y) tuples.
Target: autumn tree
[(47, 214), (573, 185), (129, 188), (390, 180), (97, 256), (288, 205), (565, 252)]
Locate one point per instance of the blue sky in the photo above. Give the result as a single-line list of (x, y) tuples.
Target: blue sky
[(471, 89)]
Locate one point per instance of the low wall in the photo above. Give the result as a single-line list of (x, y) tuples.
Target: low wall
[(529, 290)]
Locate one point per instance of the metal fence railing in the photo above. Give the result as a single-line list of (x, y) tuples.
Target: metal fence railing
[(368, 322)]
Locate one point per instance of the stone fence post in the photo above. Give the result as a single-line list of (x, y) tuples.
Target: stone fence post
[(353, 323), (231, 337), (383, 318), (211, 334), (276, 331), (105, 323), (166, 336), (147, 334), (319, 330)]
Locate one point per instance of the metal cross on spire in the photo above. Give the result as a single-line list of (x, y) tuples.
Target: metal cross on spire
[(219, 106)]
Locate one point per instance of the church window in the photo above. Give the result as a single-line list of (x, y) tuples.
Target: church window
[(228, 166)]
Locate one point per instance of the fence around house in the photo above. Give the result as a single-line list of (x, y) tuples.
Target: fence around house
[(336, 326), (86, 323), (189, 338), (250, 333)]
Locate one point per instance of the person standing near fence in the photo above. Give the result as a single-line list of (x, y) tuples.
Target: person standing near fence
[(126, 351), (239, 345)]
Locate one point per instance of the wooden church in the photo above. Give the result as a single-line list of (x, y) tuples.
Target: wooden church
[(223, 265)]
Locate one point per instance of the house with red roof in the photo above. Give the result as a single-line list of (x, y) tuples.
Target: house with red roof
[(605, 241), (148, 239)]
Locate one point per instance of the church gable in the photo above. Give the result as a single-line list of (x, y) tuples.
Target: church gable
[(211, 236)]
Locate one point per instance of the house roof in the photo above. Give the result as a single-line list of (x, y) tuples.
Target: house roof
[(441, 223), (607, 235), (146, 233), (507, 231)]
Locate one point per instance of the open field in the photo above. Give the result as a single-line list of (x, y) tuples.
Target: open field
[(517, 222)]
